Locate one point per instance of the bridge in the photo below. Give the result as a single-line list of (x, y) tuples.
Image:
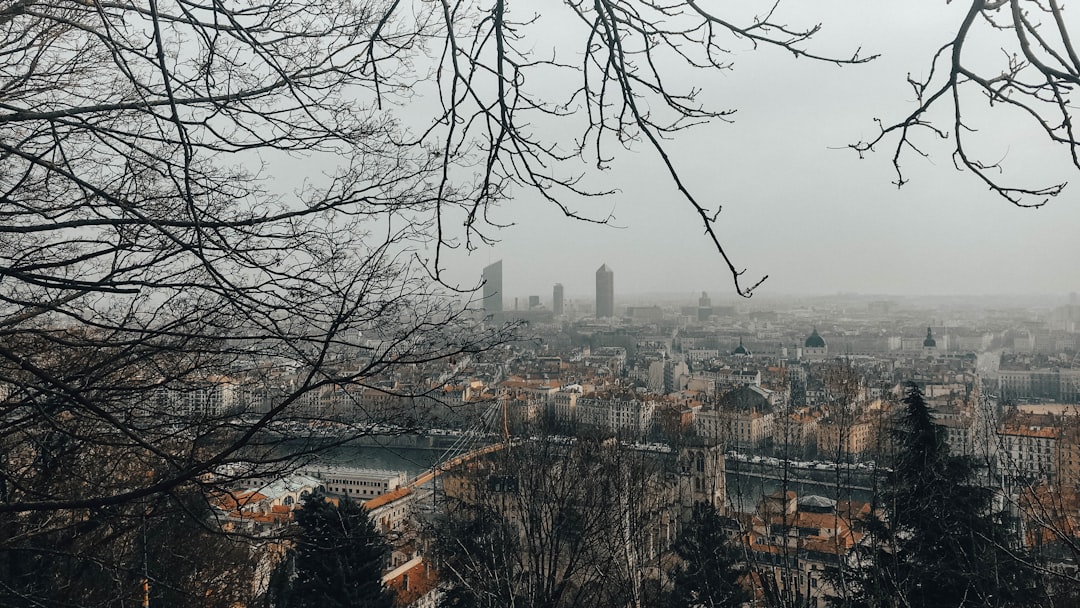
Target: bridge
[(455, 461), (390, 509)]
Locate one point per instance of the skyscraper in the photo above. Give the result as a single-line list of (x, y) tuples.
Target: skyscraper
[(556, 300), (704, 307), (605, 292), (493, 291)]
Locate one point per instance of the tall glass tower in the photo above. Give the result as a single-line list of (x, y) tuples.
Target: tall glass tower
[(493, 290), (605, 292)]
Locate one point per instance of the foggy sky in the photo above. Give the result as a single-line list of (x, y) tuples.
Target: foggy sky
[(799, 207)]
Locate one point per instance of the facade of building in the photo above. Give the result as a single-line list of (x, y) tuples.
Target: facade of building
[(357, 483), (605, 292), (391, 511), (815, 347), (1053, 384), (213, 397), (625, 416), (701, 478), (1068, 446), (960, 432), (609, 358), (265, 503), (564, 403), (704, 310), (844, 442), (493, 289), (797, 430), (727, 377), (1029, 446), (743, 419), (557, 299)]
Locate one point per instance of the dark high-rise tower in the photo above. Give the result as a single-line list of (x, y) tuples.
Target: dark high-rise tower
[(704, 307), (493, 290), (556, 300), (605, 292)]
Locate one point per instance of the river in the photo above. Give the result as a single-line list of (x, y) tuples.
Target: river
[(403, 453), (746, 486), (746, 482)]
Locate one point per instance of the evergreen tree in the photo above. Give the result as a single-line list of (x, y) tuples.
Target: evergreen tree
[(939, 542), (339, 558), (709, 576)]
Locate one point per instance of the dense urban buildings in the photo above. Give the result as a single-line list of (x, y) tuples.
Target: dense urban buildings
[(784, 419)]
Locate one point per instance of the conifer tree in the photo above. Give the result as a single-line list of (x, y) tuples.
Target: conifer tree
[(938, 541), (709, 576), (339, 558)]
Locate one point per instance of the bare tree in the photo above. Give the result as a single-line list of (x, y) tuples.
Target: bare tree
[(1031, 75), (616, 83), (155, 261), (553, 522), (165, 306)]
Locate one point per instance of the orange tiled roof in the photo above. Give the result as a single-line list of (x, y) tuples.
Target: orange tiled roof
[(387, 498), (1023, 430), (231, 501), (422, 579), (818, 521)]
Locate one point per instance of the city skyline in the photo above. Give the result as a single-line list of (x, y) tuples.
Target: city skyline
[(579, 284), (797, 204), (244, 243)]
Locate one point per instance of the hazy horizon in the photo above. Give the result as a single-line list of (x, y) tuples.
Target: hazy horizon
[(798, 205), (764, 299)]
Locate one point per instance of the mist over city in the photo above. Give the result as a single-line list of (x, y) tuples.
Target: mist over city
[(550, 304)]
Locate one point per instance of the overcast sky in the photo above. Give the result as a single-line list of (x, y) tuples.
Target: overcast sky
[(799, 207)]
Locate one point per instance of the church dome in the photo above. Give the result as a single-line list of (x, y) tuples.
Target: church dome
[(747, 399), (741, 350), (929, 342), (815, 340)]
